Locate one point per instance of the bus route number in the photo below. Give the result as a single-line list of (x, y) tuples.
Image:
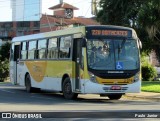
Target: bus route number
[(96, 32)]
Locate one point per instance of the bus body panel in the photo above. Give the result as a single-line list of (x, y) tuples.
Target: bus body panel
[(53, 81), (13, 70), (48, 73)]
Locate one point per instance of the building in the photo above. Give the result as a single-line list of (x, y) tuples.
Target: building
[(63, 17), (13, 29), (26, 10), (26, 16)]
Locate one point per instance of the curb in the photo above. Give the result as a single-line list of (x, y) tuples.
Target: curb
[(142, 97)]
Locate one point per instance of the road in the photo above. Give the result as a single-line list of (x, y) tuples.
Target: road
[(15, 98)]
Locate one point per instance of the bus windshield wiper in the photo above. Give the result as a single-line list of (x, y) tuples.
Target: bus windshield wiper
[(120, 47)]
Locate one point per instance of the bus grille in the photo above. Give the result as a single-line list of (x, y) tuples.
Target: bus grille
[(117, 83), (107, 89)]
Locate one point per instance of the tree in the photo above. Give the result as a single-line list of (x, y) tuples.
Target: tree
[(119, 12), (4, 63), (142, 15), (149, 21), (4, 70), (5, 51)]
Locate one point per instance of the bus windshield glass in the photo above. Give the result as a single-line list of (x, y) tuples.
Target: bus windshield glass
[(112, 54)]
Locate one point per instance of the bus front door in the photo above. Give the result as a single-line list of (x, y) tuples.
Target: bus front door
[(78, 54), (15, 63)]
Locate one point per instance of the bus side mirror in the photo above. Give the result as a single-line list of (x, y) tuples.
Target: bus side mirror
[(139, 43)]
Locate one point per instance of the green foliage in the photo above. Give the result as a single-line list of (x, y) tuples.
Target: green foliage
[(118, 12), (148, 72), (5, 51), (142, 15), (144, 60), (149, 22), (4, 70), (4, 63)]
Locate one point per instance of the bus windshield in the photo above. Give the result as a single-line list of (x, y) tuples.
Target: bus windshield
[(112, 54)]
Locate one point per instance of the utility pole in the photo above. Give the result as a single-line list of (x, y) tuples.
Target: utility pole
[(94, 5)]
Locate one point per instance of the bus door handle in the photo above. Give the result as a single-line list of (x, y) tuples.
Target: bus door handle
[(18, 61), (77, 60)]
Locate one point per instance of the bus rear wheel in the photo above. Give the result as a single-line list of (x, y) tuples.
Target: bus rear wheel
[(114, 96), (67, 90), (28, 84)]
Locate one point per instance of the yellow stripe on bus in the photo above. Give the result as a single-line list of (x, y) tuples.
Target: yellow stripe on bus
[(40, 69), (37, 69)]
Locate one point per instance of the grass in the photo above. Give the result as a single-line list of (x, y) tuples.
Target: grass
[(153, 86)]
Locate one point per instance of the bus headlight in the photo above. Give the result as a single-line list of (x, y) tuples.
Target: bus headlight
[(137, 77), (92, 77)]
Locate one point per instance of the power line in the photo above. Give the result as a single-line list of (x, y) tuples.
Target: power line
[(88, 10)]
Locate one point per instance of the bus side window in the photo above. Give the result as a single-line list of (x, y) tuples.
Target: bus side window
[(41, 52), (65, 47), (12, 52), (23, 50), (32, 49), (52, 48)]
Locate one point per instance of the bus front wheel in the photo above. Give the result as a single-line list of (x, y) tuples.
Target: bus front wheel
[(114, 96), (67, 90), (28, 84)]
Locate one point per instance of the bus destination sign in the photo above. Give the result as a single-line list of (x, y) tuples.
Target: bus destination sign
[(109, 33)]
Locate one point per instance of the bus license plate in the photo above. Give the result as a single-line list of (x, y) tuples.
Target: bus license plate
[(116, 87)]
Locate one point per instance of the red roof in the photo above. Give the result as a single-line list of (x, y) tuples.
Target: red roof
[(85, 21), (75, 20), (63, 5)]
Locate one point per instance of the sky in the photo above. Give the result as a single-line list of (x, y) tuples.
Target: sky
[(5, 10), (83, 5)]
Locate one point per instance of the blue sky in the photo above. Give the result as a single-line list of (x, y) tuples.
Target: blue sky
[(83, 5)]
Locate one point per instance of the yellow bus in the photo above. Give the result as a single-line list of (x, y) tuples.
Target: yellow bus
[(102, 60)]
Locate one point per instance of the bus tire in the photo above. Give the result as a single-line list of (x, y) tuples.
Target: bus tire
[(67, 90), (28, 84), (114, 96)]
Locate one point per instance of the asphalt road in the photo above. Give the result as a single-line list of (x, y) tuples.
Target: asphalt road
[(15, 98)]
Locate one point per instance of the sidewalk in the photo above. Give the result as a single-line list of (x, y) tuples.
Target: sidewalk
[(144, 95)]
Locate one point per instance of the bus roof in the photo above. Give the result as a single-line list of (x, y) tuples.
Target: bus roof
[(68, 31)]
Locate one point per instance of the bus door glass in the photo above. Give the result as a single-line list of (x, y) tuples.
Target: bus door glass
[(16, 61), (78, 56), (12, 65)]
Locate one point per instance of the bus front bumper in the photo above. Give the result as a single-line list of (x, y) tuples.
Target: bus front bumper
[(89, 87)]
